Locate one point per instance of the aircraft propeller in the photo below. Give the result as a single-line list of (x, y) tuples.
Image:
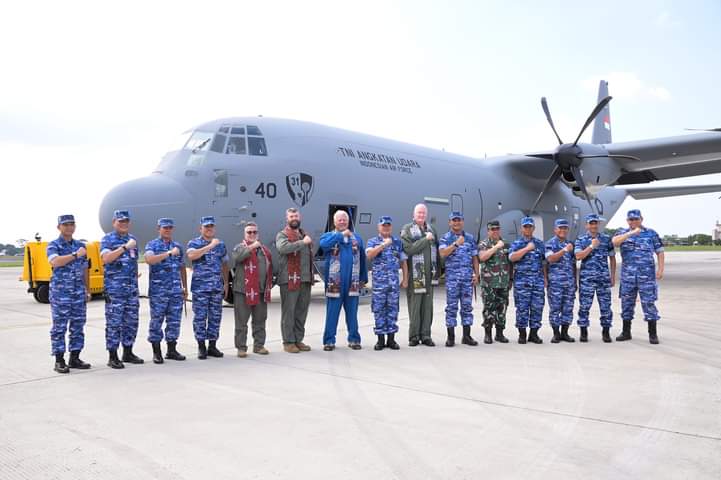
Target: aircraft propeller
[(569, 156)]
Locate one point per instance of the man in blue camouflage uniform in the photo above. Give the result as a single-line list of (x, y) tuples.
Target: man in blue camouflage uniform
[(528, 255), (385, 252), (460, 252), (119, 252), (209, 285), (168, 290), (68, 295), (595, 250), (561, 281), (638, 273)]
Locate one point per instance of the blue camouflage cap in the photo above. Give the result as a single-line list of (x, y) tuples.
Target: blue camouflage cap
[(527, 221), (121, 215), (66, 219), (593, 217), (209, 220), (166, 222), (635, 213), (385, 220), (453, 215), (560, 222)]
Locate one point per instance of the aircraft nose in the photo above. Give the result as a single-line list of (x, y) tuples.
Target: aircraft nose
[(148, 199)]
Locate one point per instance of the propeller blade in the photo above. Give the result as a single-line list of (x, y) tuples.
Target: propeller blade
[(627, 157), (601, 105), (544, 104), (549, 183), (547, 156), (703, 129), (581, 183)]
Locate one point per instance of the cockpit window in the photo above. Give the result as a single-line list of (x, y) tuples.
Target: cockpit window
[(236, 145), (256, 145), (253, 130), (238, 130), (218, 143), (199, 141)]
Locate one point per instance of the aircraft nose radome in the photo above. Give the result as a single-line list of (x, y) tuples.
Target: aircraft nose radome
[(147, 199)]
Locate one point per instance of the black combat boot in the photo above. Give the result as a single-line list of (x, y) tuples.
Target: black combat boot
[(584, 335), (652, 336), (451, 340), (60, 365), (213, 350), (75, 361), (467, 339), (626, 333), (130, 357), (606, 335), (157, 353), (521, 335), (113, 360), (173, 354), (556, 335), (202, 351), (565, 336), (413, 342), (488, 338), (533, 337), (391, 343), (499, 335), (381, 343)]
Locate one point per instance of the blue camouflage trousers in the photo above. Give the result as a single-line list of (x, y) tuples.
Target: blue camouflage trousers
[(168, 309), (459, 289), (560, 301), (528, 295), (66, 314), (384, 305), (121, 320), (601, 287), (207, 313), (644, 285)]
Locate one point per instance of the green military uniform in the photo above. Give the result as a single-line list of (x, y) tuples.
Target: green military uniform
[(495, 283), (420, 304)]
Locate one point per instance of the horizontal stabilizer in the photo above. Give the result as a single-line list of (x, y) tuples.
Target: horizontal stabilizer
[(645, 193)]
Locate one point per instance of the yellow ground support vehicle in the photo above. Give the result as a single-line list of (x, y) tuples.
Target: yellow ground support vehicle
[(37, 270)]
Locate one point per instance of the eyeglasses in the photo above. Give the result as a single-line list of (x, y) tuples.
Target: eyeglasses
[(493, 229), (251, 232)]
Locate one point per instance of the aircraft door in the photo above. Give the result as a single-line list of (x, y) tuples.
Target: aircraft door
[(456, 203), (438, 210), (575, 222)]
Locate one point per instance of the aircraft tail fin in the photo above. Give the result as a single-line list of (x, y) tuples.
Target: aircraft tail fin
[(602, 124)]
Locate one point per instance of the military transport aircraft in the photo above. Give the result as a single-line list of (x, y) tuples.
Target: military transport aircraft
[(253, 168)]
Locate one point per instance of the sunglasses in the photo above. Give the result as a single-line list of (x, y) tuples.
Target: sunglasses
[(251, 232), (593, 223), (68, 224), (456, 220), (493, 229)]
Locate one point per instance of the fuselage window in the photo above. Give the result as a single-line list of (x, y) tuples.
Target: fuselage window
[(236, 145), (256, 145), (221, 183), (218, 144)]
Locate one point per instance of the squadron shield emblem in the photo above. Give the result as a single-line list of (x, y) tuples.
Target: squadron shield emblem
[(300, 187)]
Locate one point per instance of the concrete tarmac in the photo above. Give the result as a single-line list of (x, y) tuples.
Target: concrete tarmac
[(620, 410)]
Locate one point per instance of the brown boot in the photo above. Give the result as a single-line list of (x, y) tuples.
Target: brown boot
[(302, 347), (260, 350), (242, 353), (291, 348)]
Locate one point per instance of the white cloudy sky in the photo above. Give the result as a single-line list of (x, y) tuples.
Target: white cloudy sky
[(92, 94)]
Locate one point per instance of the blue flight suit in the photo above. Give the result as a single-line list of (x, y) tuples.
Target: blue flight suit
[(207, 287), (329, 241), (165, 292), (561, 283), (528, 283), (459, 278), (386, 284), (121, 292), (638, 273), (595, 278), (67, 296)]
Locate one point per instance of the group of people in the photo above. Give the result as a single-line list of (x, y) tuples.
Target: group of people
[(413, 261)]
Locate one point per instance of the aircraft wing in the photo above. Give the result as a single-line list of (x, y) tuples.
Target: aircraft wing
[(670, 157), (645, 193)]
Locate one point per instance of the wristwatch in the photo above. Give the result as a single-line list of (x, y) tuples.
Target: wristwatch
[(125, 249), (75, 255)]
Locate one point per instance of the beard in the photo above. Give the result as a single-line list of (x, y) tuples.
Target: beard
[(294, 224)]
